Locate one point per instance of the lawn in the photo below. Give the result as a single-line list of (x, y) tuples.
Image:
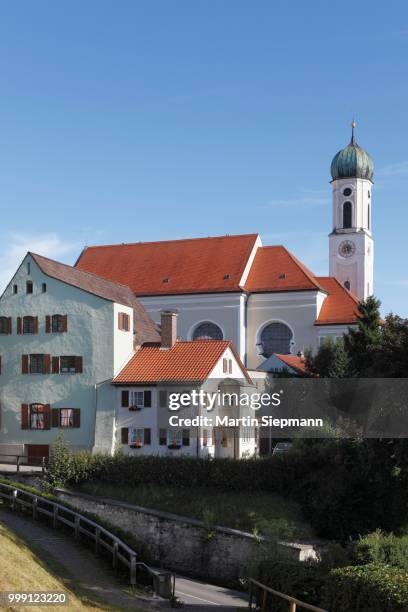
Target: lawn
[(258, 513)]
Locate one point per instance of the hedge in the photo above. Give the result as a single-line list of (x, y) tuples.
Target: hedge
[(366, 588), (345, 487)]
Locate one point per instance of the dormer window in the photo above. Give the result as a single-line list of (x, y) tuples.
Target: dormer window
[(29, 287)]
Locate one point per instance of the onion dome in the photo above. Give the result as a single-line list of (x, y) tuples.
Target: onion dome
[(352, 162)]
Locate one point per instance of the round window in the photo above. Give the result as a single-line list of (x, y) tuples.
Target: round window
[(347, 191)]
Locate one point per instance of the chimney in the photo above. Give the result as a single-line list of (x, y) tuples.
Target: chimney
[(168, 328)]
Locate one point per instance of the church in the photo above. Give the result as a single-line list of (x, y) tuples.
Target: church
[(262, 298), (95, 349)]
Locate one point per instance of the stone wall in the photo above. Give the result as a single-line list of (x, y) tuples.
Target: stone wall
[(182, 544)]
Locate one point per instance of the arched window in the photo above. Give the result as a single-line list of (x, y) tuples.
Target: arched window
[(347, 211), (4, 325), (207, 331), (368, 216), (347, 285), (276, 338)]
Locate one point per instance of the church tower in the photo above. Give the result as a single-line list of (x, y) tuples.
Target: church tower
[(351, 241)]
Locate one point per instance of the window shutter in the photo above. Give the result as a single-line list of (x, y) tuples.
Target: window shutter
[(163, 398), (48, 324), (147, 436), (19, 326), (205, 437), (47, 416), (125, 435), (35, 325), (186, 437), (230, 365), (125, 399), (24, 364), (77, 417), (55, 417), (47, 364), (213, 439), (147, 399), (65, 324), (24, 416), (10, 325), (78, 365), (55, 365), (224, 365), (119, 320)]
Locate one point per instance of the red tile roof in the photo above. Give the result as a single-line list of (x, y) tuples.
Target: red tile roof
[(276, 269), (294, 362), (340, 306), (186, 361), (197, 265)]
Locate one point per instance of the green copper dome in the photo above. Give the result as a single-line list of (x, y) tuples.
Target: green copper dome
[(352, 162)]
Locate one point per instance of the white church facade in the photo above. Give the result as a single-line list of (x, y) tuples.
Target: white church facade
[(67, 333)]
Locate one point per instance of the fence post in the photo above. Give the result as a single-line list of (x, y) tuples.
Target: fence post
[(293, 606), (35, 502), (250, 595), (133, 569), (55, 517), (18, 463), (43, 464), (115, 554)]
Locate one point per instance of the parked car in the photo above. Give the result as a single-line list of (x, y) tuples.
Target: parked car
[(282, 447)]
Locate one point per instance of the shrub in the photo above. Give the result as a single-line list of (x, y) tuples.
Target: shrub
[(366, 588), (379, 548)]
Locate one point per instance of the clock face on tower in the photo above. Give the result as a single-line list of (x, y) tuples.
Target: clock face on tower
[(347, 248)]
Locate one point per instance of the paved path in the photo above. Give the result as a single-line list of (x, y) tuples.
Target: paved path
[(94, 575)]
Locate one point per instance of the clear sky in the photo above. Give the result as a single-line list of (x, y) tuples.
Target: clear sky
[(135, 120)]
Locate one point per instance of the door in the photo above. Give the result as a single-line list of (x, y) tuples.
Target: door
[(36, 453)]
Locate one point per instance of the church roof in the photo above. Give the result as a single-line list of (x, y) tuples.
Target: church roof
[(276, 269), (196, 265), (188, 361), (339, 307)]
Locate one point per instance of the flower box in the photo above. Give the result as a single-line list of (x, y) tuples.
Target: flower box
[(174, 446), (135, 408)]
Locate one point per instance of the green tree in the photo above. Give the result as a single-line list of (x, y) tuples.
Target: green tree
[(361, 343), (330, 361)]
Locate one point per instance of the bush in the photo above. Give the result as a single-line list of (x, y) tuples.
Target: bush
[(379, 548), (346, 488), (299, 579), (366, 588)]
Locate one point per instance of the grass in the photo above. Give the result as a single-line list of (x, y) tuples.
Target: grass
[(258, 513), (28, 567), (24, 569)]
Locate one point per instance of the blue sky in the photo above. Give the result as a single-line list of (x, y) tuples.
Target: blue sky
[(127, 121)]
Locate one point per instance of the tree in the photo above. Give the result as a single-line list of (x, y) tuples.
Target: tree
[(330, 361), (361, 343)]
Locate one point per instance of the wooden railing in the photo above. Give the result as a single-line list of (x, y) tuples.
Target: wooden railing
[(258, 594), (121, 553), (19, 460)]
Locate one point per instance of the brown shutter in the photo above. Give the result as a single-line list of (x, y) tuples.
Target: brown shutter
[(147, 436), (47, 416), (77, 417), (55, 368), (55, 417), (124, 435), (125, 399), (24, 364), (48, 324), (147, 399), (47, 364), (78, 365), (35, 325), (65, 323), (10, 326), (119, 320), (19, 326), (24, 416)]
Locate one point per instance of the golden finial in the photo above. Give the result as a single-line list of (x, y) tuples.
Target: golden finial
[(353, 126)]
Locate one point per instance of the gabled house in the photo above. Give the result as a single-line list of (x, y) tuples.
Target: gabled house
[(158, 372), (64, 334)]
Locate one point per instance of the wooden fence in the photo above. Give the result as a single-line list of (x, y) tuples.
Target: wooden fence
[(260, 593), (122, 554), (19, 460)]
